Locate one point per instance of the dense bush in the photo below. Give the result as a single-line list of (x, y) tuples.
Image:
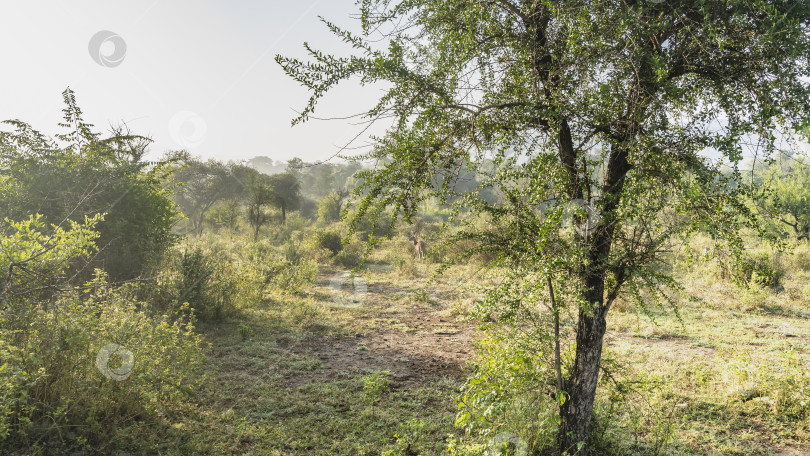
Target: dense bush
[(510, 391), (204, 282), (77, 364), (329, 240), (240, 274), (761, 268), (292, 277), (79, 173), (329, 208)]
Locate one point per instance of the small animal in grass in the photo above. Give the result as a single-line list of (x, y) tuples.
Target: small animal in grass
[(419, 247)]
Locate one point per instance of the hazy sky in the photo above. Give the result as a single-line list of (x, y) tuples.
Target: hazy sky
[(195, 73)]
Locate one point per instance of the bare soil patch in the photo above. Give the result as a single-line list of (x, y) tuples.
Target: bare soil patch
[(432, 347)]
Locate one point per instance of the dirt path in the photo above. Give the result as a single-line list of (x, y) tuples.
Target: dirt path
[(423, 343), (431, 347)]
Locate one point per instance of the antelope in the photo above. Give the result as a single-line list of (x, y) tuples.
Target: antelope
[(419, 247)]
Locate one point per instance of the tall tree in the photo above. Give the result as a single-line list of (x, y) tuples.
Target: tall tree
[(203, 184), (258, 194), (286, 191), (601, 108), (324, 180)]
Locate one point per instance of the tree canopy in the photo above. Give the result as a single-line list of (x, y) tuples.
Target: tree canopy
[(600, 117)]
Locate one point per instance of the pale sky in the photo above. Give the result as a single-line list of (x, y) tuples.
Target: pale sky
[(195, 73)]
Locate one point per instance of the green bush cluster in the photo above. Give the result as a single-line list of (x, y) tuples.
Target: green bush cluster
[(78, 173), (329, 240), (291, 277), (762, 268), (329, 208), (510, 390), (58, 389), (204, 281)]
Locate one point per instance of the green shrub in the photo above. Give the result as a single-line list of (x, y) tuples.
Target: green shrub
[(761, 268), (330, 241), (292, 253), (82, 173), (206, 282), (366, 225), (246, 332), (511, 389), (348, 259), (375, 385), (79, 365), (52, 378), (289, 277), (409, 439), (352, 254), (329, 208)]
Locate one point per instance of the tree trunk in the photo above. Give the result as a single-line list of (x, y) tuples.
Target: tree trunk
[(201, 223), (575, 413), (283, 214)]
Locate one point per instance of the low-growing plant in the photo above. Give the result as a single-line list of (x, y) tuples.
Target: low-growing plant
[(291, 278), (82, 363), (409, 439), (245, 331), (351, 255), (330, 241), (206, 281), (761, 268), (510, 390), (375, 385)]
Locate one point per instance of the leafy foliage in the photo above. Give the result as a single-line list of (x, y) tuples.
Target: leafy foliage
[(80, 173), (330, 241), (286, 190), (55, 393), (202, 185), (790, 196), (597, 117)]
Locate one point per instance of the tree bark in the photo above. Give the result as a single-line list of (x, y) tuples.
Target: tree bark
[(575, 413), (557, 360)]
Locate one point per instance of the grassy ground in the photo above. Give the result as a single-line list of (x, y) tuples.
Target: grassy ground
[(730, 377), (298, 376), (363, 374)]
